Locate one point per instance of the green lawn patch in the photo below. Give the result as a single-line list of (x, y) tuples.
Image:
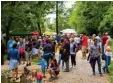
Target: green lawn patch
[(111, 72), (36, 60)]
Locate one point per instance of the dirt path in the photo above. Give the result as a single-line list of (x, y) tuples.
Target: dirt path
[(81, 74)]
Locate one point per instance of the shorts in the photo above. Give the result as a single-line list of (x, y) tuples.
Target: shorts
[(13, 64), (84, 49)]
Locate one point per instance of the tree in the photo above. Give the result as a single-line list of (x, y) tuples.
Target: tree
[(87, 16), (107, 23), (24, 16)]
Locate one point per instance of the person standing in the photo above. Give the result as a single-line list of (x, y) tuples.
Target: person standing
[(84, 45), (104, 39), (14, 61), (21, 48), (108, 54), (66, 53), (47, 51), (10, 44), (95, 56), (73, 50)]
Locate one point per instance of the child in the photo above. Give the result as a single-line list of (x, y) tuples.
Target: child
[(43, 64), (39, 77)]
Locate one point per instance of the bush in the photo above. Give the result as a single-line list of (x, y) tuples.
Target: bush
[(111, 72)]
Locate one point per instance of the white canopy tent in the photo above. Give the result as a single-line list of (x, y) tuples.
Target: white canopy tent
[(68, 31)]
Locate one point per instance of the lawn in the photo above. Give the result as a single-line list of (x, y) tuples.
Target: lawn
[(35, 60)]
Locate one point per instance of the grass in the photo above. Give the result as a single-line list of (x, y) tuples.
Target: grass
[(111, 66), (111, 72), (35, 60)]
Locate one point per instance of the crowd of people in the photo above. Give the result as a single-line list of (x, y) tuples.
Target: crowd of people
[(21, 50)]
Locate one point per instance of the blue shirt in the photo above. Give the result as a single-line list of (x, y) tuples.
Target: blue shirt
[(72, 50), (10, 44), (14, 54), (43, 64)]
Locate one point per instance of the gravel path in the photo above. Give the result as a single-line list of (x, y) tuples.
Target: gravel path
[(81, 74)]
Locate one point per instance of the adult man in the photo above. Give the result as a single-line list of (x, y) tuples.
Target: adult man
[(47, 51), (10, 44), (84, 45), (95, 56)]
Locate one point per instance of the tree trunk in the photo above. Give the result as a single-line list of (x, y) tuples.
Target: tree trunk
[(57, 17), (39, 29), (8, 28)]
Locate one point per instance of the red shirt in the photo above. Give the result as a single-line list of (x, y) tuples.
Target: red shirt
[(84, 41), (104, 39)]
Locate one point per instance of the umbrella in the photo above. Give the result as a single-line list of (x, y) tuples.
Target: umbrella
[(35, 33), (49, 33)]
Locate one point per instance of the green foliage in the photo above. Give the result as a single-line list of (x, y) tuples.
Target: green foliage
[(26, 15), (91, 17), (111, 72), (112, 45), (36, 60), (63, 17)]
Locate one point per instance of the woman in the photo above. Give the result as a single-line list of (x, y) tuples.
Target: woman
[(21, 48), (108, 54), (73, 50), (53, 69), (14, 60), (61, 53)]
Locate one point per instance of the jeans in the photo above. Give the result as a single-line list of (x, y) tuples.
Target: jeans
[(73, 59), (103, 54), (93, 62), (107, 62), (47, 56), (59, 59), (67, 65)]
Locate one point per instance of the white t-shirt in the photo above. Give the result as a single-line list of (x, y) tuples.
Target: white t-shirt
[(90, 43), (77, 39), (108, 53)]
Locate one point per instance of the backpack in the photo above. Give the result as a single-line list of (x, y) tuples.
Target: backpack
[(21, 50)]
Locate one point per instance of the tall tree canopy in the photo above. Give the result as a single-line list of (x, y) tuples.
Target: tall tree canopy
[(92, 17), (24, 16)]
